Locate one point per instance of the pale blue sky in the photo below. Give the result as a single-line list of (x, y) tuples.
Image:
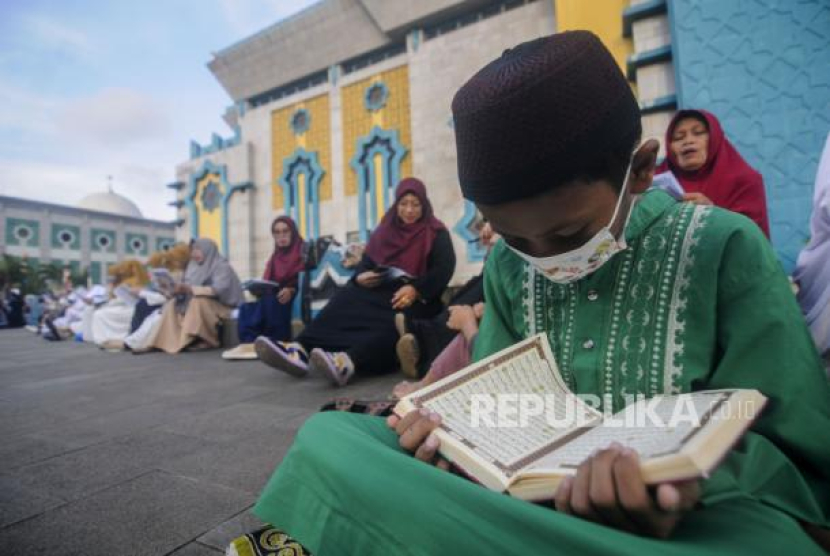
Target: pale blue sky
[(113, 87)]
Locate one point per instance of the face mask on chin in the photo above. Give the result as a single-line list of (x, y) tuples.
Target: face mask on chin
[(582, 261)]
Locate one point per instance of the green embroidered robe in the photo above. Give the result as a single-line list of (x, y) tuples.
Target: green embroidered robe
[(697, 301)]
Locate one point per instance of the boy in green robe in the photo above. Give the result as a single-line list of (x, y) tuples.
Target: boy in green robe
[(638, 294)]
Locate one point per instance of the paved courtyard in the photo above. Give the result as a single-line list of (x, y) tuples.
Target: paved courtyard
[(113, 453)]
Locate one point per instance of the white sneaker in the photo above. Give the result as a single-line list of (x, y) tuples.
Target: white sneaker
[(242, 352)]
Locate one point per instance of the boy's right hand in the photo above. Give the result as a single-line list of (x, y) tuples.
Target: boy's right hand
[(415, 436)]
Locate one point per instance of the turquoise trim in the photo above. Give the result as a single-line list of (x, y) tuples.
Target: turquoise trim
[(375, 104), (638, 12), (676, 58), (303, 162), (217, 143), (668, 102), (334, 74), (415, 38), (647, 58), (227, 190), (385, 142), (464, 228)]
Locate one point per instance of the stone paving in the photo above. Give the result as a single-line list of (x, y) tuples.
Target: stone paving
[(113, 453)]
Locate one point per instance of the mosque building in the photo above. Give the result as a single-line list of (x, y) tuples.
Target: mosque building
[(105, 228), (333, 106)]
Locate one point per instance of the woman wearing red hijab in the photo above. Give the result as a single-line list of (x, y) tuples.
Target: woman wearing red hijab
[(710, 170), (406, 266), (270, 315)]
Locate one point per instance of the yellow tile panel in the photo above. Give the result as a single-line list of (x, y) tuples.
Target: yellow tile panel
[(358, 121), (317, 138)]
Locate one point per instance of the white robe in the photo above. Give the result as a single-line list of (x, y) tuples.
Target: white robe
[(812, 271)]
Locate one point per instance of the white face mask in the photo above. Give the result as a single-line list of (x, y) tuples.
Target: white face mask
[(582, 261)]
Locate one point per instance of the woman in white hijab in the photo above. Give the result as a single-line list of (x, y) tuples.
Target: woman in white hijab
[(812, 273), (209, 292)]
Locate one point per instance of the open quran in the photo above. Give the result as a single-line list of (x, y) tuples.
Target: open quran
[(511, 423)]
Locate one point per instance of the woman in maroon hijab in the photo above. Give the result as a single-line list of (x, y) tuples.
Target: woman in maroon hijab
[(710, 170), (270, 315), (406, 266)]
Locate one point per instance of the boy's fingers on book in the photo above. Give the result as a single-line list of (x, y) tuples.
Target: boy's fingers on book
[(392, 421), (428, 449), (562, 498), (678, 497), (632, 492), (442, 464), (580, 498), (415, 435), (408, 420), (603, 491)]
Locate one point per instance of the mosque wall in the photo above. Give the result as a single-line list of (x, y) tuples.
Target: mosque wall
[(45, 233), (764, 69)]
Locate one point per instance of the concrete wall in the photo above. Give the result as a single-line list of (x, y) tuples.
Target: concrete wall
[(437, 69)]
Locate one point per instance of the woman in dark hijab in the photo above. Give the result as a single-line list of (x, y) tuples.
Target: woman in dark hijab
[(270, 315), (209, 292), (407, 264)]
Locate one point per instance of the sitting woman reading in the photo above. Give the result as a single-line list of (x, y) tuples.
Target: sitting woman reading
[(209, 292), (355, 332), (270, 314)]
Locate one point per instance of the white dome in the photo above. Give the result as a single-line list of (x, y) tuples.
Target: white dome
[(112, 203)]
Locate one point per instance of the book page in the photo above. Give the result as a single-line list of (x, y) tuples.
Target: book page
[(510, 409), (669, 423)]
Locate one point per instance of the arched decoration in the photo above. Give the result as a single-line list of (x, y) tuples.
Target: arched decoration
[(468, 228), (300, 182), (377, 163), (209, 191)]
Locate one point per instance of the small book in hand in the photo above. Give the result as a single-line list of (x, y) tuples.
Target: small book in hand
[(511, 423), (261, 288), (162, 281), (392, 274)]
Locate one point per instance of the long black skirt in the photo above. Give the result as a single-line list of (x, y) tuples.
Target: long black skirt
[(361, 322)]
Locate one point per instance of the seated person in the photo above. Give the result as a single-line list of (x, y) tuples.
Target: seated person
[(355, 332), (146, 319), (463, 319), (422, 340), (638, 295), (111, 322), (209, 292), (710, 170), (13, 309), (812, 273), (270, 315)]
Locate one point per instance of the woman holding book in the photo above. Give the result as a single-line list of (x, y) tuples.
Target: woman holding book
[(638, 295), (209, 292), (270, 315), (406, 266), (710, 169)]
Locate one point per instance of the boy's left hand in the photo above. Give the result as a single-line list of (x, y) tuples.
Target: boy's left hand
[(608, 489)]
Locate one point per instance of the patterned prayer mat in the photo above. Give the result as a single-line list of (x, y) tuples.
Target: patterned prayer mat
[(267, 541)]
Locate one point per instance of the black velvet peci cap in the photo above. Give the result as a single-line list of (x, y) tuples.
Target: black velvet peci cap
[(537, 115)]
